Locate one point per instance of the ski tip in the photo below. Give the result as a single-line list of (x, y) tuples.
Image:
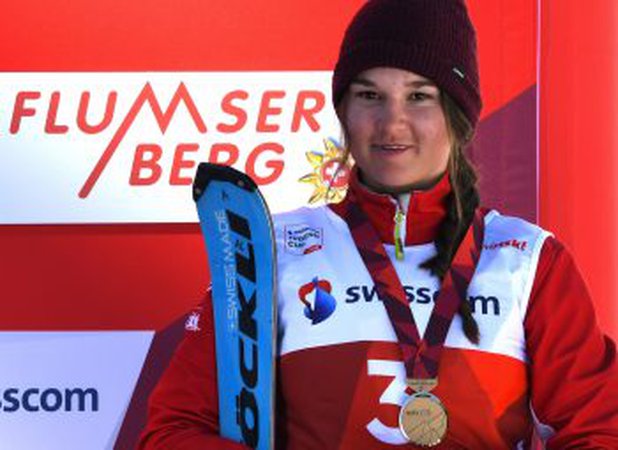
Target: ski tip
[(207, 172)]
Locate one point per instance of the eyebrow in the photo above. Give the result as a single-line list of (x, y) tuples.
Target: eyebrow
[(414, 83)]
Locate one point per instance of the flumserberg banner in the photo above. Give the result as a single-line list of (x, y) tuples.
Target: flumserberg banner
[(123, 147)]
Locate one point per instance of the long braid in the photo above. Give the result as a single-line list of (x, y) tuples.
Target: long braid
[(461, 204)]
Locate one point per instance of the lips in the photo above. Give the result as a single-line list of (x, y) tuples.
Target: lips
[(391, 148)]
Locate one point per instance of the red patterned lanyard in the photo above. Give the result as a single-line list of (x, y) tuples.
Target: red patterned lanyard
[(421, 356)]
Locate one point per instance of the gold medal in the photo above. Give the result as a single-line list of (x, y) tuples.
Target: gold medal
[(423, 420)]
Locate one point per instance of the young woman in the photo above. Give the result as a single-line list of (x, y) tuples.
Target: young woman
[(443, 324)]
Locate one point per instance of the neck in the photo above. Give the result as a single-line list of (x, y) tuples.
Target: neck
[(378, 188)]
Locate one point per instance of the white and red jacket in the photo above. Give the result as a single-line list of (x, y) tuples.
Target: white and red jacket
[(541, 359)]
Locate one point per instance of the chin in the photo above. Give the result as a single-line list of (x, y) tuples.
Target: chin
[(398, 183), (409, 185), (391, 188)]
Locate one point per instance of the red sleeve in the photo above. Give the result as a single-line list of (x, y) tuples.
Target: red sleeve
[(573, 368), (183, 408)]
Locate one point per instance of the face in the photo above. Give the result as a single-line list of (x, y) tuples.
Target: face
[(395, 129)]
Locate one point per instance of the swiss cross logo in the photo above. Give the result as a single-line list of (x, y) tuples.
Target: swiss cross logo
[(333, 175)]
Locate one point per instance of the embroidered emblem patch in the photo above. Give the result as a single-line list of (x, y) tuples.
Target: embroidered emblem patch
[(302, 239)]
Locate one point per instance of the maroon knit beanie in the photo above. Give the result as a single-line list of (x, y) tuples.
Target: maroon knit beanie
[(433, 38)]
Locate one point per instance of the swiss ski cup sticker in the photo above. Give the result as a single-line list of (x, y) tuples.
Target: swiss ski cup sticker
[(302, 239)]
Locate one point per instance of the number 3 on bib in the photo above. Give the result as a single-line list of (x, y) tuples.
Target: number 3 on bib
[(394, 394)]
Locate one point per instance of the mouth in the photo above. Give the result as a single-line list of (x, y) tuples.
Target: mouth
[(391, 148)]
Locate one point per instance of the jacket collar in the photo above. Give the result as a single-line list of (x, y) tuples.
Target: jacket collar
[(424, 211)]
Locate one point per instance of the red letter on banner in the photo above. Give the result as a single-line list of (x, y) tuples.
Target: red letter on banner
[(19, 110), (276, 166), (50, 124), (307, 113), (82, 111), (181, 163), (228, 108), (267, 110), (140, 163), (217, 149)]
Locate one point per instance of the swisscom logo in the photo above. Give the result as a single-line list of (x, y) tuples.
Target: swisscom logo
[(36, 399), (319, 304)]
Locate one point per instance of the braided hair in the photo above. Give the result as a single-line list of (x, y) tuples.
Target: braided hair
[(461, 204)]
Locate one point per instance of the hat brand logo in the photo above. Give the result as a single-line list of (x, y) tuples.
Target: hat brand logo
[(459, 73)]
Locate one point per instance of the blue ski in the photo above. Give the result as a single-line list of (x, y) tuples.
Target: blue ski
[(237, 228)]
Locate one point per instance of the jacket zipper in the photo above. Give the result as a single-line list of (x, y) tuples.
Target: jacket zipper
[(400, 220)]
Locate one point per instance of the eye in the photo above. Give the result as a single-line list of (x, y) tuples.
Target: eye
[(420, 96), (367, 94)]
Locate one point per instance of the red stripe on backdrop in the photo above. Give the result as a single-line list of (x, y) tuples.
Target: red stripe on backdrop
[(111, 35), (145, 276), (579, 140), (100, 277), (506, 34)]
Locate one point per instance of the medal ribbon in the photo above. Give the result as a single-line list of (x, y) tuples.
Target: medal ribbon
[(421, 356)]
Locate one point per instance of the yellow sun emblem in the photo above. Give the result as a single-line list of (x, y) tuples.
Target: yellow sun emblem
[(329, 176)]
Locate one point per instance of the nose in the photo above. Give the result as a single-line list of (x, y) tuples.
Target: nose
[(393, 117)]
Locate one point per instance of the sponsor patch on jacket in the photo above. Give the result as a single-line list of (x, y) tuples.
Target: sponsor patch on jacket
[(514, 243), (318, 301), (193, 322), (302, 239)]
